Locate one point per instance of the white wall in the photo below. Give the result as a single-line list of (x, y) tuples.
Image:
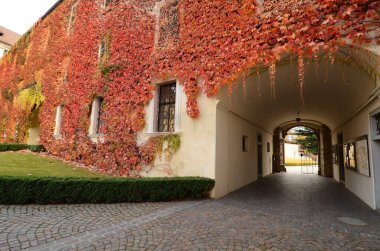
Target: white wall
[(334, 141), (196, 156), (34, 135), (3, 47), (360, 185), (292, 151), (375, 154), (234, 167), (376, 170)]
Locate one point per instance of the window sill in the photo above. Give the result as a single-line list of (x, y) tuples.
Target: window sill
[(162, 133), (96, 137), (57, 136)]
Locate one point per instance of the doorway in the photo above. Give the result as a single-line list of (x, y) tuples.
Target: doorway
[(259, 156), (301, 150), (340, 158)]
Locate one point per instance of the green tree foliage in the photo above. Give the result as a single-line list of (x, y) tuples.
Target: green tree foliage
[(30, 98), (308, 140)]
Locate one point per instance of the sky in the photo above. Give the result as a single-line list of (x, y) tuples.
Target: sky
[(20, 15)]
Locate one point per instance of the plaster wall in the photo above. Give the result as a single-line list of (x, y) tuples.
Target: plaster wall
[(292, 151), (34, 136), (3, 47), (360, 185), (336, 174), (196, 155), (234, 167)]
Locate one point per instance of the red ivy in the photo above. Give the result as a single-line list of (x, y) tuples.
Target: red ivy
[(217, 42)]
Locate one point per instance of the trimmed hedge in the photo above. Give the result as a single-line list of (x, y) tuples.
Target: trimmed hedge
[(54, 190), (18, 147)]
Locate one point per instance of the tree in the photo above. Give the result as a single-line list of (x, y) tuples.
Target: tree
[(308, 140)]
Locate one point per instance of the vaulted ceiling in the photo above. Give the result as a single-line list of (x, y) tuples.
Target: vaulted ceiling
[(332, 93)]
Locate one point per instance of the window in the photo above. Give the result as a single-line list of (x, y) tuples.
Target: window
[(377, 122), (58, 122), (95, 121), (45, 42), (73, 14), (106, 3), (245, 143), (65, 75), (102, 49), (375, 125), (65, 70), (163, 114), (166, 108), (168, 25), (268, 147)]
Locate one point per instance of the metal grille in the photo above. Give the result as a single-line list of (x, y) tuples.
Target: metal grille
[(166, 108), (169, 24)]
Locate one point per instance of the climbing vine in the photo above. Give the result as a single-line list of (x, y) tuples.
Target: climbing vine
[(204, 44), (172, 141)]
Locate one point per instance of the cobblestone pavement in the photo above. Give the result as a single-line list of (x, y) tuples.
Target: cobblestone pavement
[(279, 212)]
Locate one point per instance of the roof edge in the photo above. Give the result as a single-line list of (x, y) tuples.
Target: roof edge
[(51, 9)]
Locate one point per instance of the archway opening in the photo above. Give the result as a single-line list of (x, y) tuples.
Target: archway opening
[(258, 113), (301, 150)]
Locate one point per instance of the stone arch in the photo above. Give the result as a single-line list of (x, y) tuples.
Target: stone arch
[(323, 132)]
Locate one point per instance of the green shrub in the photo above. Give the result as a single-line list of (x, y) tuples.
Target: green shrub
[(52, 190), (36, 148), (18, 147)]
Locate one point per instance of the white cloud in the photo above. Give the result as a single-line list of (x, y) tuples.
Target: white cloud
[(20, 15)]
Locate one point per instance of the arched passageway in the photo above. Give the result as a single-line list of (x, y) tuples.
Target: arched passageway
[(323, 133), (336, 100)]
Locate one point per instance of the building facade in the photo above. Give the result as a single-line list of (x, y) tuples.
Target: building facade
[(7, 39), (189, 88)]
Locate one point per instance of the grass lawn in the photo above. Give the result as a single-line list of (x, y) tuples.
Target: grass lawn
[(27, 164)]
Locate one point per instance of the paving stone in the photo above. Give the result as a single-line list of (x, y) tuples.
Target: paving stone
[(279, 212)]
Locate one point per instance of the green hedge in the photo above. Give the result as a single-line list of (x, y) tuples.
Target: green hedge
[(52, 190), (18, 147)]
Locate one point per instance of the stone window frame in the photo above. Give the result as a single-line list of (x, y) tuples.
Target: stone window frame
[(65, 69), (105, 3), (96, 111), (73, 14), (47, 36), (58, 122), (102, 49), (152, 120)]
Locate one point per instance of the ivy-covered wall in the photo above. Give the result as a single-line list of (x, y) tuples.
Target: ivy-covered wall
[(209, 42)]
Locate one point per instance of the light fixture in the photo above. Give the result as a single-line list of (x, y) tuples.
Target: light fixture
[(298, 119)]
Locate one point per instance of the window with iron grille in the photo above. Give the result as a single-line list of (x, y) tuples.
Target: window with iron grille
[(168, 35), (166, 108)]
